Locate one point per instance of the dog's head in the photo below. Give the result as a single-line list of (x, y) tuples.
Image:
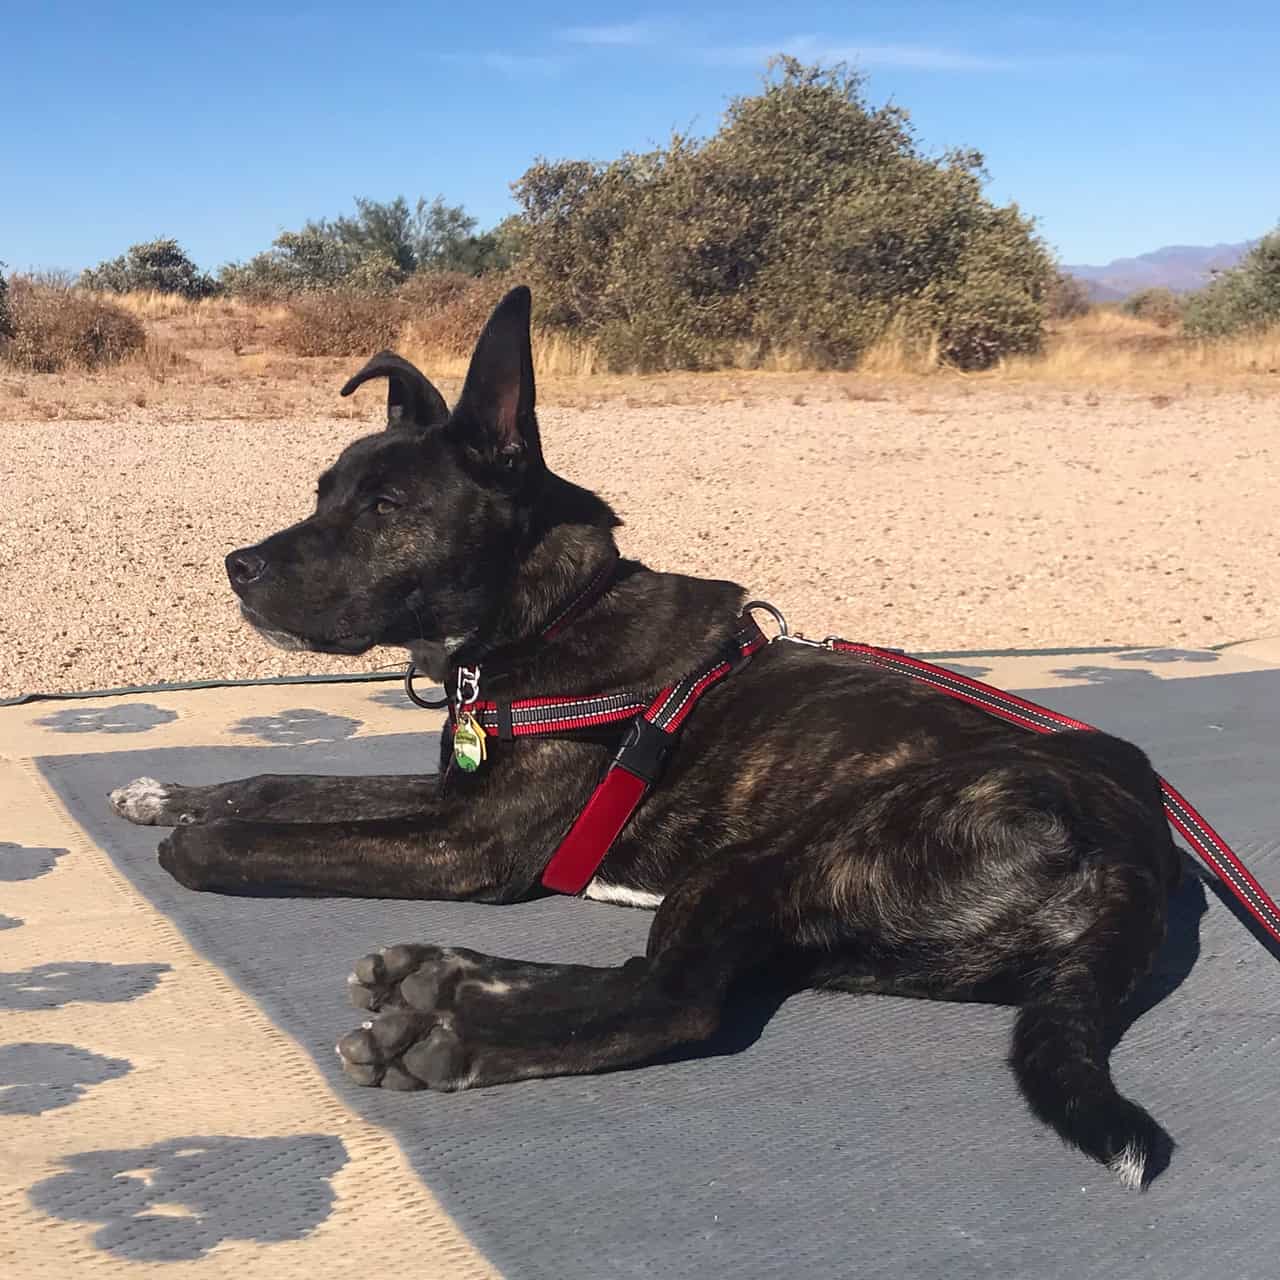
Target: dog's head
[(417, 530)]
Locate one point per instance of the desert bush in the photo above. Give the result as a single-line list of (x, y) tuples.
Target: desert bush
[(1159, 305), (445, 311), (6, 324), (431, 291), (1245, 299), (156, 266), (1067, 298), (340, 322), (375, 251), (55, 327), (298, 262), (808, 223)]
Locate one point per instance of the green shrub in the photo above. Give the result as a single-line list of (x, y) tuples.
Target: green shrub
[(54, 327), (298, 262), (159, 266), (375, 251), (1159, 305), (1243, 300), (807, 224), (6, 322), (444, 239)]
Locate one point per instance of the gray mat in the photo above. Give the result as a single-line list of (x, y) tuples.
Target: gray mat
[(844, 1137)]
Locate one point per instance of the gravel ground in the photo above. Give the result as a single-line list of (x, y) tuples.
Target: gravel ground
[(931, 519)]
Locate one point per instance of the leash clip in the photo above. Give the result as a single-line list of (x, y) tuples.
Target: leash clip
[(828, 643), (468, 688)]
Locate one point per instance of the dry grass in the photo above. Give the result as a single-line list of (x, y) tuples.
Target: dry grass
[(1105, 347), (1113, 349), (233, 358), (554, 354), (56, 327), (900, 354), (210, 324), (150, 305)]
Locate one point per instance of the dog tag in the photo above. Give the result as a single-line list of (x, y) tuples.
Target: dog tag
[(469, 748)]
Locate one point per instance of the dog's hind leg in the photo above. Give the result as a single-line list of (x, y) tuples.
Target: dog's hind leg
[(273, 797), (1060, 1041), (452, 1020)]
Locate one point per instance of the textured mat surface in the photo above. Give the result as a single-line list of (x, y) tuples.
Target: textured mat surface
[(167, 1068)]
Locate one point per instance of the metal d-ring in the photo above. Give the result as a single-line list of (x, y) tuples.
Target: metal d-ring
[(409, 672), (774, 612)]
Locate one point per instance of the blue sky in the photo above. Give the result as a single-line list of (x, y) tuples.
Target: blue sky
[(1121, 126)]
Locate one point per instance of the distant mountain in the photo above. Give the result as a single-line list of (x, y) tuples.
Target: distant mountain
[(1180, 267)]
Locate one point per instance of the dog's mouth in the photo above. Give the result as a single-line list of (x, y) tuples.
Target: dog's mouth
[(295, 643)]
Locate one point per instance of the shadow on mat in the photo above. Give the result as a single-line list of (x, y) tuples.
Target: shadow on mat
[(1176, 958)]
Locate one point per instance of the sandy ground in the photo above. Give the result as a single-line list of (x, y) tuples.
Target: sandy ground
[(929, 518)]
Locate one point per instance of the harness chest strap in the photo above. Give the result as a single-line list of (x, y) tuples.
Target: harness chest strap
[(655, 722), (636, 766)]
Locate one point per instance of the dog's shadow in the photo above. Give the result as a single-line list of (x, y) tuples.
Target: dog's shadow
[(1176, 958)]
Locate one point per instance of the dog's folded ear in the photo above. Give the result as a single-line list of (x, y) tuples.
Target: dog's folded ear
[(494, 417), (411, 399)]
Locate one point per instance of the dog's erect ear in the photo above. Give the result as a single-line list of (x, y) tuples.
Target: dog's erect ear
[(411, 399), (494, 416)]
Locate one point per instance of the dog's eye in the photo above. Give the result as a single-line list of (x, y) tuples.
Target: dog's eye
[(385, 506)]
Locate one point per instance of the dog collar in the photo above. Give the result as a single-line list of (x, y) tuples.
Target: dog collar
[(595, 588)]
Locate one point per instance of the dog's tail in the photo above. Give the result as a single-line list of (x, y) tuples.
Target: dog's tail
[(1060, 1061)]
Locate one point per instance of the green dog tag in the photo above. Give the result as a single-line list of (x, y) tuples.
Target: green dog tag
[(469, 749)]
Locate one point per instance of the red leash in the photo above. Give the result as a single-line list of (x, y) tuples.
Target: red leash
[(1212, 848)]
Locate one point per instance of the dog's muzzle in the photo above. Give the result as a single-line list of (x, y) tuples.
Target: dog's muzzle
[(272, 635)]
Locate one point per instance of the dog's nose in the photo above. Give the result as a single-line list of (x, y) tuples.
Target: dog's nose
[(244, 567)]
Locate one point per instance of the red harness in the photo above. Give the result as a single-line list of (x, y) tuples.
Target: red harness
[(645, 746), (655, 721)]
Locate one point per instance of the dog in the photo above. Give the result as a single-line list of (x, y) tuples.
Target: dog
[(822, 823)]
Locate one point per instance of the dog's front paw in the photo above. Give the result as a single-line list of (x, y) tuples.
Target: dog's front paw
[(405, 1049), (153, 804)]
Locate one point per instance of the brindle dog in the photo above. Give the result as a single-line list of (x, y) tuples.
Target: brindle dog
[(902, 842)]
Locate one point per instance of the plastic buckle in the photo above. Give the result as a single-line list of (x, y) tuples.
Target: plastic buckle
[(644, 749)]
